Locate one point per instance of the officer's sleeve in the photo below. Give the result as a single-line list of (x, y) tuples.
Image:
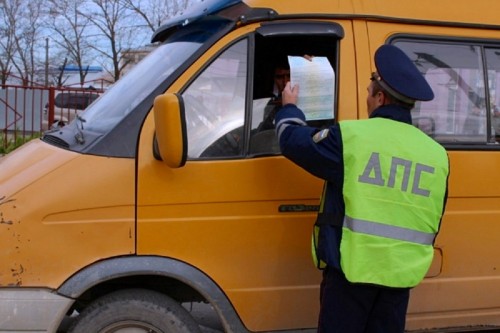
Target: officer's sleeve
[(317, 151)]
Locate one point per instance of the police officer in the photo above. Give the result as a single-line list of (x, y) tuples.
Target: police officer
[(384, 196)]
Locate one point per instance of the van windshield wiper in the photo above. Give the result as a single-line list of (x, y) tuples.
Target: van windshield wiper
[(79, 127)]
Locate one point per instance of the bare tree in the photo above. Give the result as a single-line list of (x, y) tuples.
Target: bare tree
[(59, 78), (82, 31), (22, 19), (155, 12), (7, 47), (115, 32), (69, 29)]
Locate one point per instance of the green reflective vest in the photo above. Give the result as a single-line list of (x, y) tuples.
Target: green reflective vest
[(395, 180)]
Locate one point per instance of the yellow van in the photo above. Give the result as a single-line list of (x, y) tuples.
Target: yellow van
[(164, 195)]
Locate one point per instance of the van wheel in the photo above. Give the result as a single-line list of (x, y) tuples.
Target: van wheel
[(135, 310)]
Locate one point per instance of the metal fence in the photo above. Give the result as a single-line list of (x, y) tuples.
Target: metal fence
[(27, 111)]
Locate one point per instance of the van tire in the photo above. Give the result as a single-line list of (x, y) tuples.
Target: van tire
[(144, 310)]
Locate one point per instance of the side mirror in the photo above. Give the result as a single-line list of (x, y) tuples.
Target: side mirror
[(170, 138)]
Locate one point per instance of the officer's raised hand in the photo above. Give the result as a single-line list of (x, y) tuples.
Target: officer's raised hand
[(290, 94)]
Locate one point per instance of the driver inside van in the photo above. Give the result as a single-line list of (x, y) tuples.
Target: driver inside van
[(281, 77)]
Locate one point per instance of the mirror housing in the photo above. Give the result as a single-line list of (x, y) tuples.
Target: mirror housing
[(170, 124)]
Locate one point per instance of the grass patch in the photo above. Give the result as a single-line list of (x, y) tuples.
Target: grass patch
[(8, 145)]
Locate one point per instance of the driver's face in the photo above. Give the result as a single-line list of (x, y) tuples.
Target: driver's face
[(281, 78)]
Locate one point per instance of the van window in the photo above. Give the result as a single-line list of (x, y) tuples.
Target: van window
[(230, 106), (215, 106), (464, 79), (274, 42), (493, 66)]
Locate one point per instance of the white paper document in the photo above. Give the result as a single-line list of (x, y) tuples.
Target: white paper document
[(316, 80)]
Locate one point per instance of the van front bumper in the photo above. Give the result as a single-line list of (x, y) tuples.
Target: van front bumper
[(31, 310)]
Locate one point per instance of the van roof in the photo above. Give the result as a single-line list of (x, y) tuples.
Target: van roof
[(482, 13)]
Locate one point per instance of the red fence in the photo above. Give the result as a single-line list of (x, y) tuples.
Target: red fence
[(25, 112)]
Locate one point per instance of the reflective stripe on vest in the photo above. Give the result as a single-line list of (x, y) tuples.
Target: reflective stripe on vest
[(393, 204), (389, 231)]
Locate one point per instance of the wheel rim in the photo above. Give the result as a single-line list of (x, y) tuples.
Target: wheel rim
[(130, 326)]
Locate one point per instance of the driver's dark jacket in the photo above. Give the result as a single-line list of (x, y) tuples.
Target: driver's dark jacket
[(324, 160)]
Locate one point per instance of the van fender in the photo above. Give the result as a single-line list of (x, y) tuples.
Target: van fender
[(115, 268)]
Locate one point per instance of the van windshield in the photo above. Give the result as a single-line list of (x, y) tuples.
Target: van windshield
[(120, 111), (136, 85)]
